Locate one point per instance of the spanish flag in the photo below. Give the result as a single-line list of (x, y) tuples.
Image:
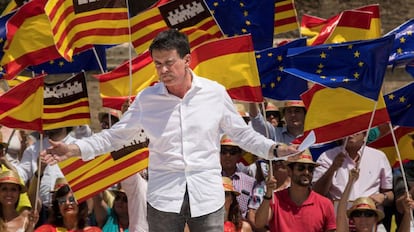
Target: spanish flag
[(22, 106), (232, 63), (76, 24), (116, 86), (334, 113), (89, 178)]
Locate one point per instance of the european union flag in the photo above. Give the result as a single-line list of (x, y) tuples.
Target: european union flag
[(403, 48), (400, 106), (84, 61), (237, 17), (277, 84), (358, 66), (3, 37)]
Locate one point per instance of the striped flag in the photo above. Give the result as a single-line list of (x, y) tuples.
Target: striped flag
[(66, 103), (115, 85), (191, 17), (21, 106), (10, 7), (345, 112), (76, 24), (285, 18), (89, 178), (232, 63)]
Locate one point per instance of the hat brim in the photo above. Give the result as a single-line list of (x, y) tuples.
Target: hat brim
[(380, 214)]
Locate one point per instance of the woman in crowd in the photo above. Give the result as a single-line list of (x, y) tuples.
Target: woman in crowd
[(113, 218), (66, 214), (233, 220), (10, 219)]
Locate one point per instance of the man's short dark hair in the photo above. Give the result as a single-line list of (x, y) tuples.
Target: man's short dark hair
[(171, 39)]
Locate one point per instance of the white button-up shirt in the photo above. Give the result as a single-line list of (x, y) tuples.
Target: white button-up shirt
[(184, 147)]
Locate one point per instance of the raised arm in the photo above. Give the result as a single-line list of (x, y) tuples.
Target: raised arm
[(342, 224)]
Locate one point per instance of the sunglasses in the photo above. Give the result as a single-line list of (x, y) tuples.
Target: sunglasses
[(302, 167), (64, 200), (363, 213), (231, 151), (274, 114)]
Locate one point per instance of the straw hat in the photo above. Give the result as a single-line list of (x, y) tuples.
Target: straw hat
[(225, 140), (305, 157), (112, 112), (12, 177), (365, 203), (271, 107), (242, 110), (60, 182), (228, 185), (292, 103)]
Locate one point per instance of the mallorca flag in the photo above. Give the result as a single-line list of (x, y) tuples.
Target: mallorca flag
[(232, 63), (404, 137), (117, 85), (277, 84), (66, 103), (285, 17), (76, 24), (21, 106), (400, 106), (349, 25), (89, 178), (334, 113), (358, 66), (191, 17)]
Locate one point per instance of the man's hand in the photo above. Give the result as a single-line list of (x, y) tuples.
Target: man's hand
[(284, 150), (338, 161), (271, 185), (58, 151)]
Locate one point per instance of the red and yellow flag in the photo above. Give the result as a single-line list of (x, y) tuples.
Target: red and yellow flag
[(404, 139), (334, 113), (76, 24), (91, 177), (192, 17), (232, 63), (285, 18), (22, 106), (116, 86)]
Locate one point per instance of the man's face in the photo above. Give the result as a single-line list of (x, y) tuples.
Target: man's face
[(302, 174), (229, 156), (170, 67), (294, 116)]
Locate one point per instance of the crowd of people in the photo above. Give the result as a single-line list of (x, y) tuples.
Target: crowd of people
[(196, 179)]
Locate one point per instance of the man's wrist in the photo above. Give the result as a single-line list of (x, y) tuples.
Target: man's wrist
[(275, 149), (266, 197)]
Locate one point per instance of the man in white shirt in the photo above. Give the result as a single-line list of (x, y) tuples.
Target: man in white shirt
[(184, 162)]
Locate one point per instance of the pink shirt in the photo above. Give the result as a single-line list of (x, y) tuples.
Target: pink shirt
[(314, 215)]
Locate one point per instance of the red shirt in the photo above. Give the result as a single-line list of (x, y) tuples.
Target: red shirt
[(52, 228), (314, 215)]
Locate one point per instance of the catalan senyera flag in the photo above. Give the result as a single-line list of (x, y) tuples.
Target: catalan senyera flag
[(66, 103), (115, 86), (76, 24), (21, 106), (232, 63), (191, 17), (349, 25), (333, 113), (89, 178), (404, 138), (357, 65), (29, 39), (285, 18)]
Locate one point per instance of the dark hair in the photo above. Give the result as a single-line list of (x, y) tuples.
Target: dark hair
[(234, 214), (56, 217), (171, 39)]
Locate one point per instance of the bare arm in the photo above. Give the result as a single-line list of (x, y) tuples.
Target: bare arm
[(341, 217), (324, 183), (100, 210), (264, 213)]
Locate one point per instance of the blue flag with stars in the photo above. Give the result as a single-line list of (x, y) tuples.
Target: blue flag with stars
[(400, 106), (237, 17), (358, 66), (84, 61), (275, 83), (403, 48), (3, 38)]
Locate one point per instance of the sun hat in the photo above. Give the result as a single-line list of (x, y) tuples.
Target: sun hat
[(271, 107), (225, 140), (304, 157), (228, 185), (292, 103), (59, 182), (365, 203), (12, 177)]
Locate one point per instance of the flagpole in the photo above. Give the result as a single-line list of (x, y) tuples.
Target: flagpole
[(401, 165), (129, 52), (39, 167), (263, 111), (98, 60)]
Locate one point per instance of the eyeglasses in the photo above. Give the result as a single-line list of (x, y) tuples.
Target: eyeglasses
[(64, 200), (302, 167), (363, 213), (272, 113), (231, 151)]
